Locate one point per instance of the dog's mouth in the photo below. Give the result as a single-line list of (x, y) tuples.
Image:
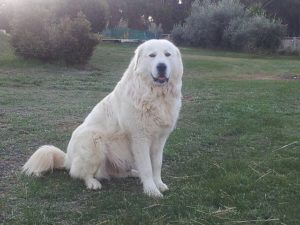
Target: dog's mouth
[(161, 79)]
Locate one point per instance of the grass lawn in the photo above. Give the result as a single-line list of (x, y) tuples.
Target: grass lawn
[(233, 158)]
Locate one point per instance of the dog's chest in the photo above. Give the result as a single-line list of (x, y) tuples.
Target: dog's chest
[(161, 113)]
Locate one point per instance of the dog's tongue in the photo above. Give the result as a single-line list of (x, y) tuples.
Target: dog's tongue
[(161, 78)]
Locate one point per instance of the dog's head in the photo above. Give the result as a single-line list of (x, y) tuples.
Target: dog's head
[(158, 61)]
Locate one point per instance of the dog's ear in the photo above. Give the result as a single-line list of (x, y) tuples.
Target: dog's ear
[(178, 52), (137, 55), (180, 64)]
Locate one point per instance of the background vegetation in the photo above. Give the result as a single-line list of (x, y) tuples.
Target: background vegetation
[(165, 12), (38, 32), (228, 24), (258, 16)]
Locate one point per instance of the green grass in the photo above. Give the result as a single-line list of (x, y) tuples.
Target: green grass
[(233, 158)]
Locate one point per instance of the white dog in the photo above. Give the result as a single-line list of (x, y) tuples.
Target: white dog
[(125, 133)]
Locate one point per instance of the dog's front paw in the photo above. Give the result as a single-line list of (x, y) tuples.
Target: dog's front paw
[(162, 186), (134, 173), (152, 191), (93, 184)]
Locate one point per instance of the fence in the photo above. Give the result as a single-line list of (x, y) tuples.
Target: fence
[(291, 44), (126, 33)]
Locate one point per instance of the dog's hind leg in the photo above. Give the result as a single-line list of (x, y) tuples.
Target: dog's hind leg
[(86, 171), (89, 158), (101, 172)]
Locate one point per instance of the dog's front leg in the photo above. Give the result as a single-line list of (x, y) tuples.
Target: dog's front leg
[(141, 153), (156, 153)]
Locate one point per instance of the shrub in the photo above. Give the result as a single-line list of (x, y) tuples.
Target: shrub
[(228, 24), (72, 41), (29, 35), (35, 34), (96, 11), (254, 33), (208, 20), (177, 34)]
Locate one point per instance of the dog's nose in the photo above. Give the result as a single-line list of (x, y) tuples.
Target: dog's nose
[(161, 68)]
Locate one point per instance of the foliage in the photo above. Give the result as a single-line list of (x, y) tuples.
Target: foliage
[(208, 20), (228, 24), (96, 11), (287, 11), (155, 29), (132, 11), (254, 33), (137, 12), (256, 9), (72, 40), (169, 12), (177, 34), (5, 15), (34, 35), (165, 12), (30, 33)]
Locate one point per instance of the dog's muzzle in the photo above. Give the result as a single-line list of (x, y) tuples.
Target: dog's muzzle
[(161, 71), (161, 79)]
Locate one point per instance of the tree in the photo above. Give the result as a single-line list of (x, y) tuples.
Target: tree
[(116, 8), (132, 11), (287, 11), (6, 14), (96, 11), (169, 12), (137, 12)]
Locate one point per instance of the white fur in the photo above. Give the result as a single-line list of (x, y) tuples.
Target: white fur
[(47, 157), (125, 133)]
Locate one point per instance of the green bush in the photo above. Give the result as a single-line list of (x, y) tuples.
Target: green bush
[(96, 11), (29, 35), (208, 20), (177, 34), (72, 41), (35, 34), (228, 24), (254, 34)]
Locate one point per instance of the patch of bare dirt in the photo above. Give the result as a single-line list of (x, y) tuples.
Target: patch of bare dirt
[(10, 165), (290, 77), (262, 76), (188, 97), (66, 126)]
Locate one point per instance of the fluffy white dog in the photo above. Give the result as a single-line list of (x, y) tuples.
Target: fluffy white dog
[(125, 133)]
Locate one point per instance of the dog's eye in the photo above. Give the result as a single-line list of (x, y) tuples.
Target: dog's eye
[(152, 55), (167, 54)]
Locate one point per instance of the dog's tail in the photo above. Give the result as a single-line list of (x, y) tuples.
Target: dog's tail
[(46, 158)]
